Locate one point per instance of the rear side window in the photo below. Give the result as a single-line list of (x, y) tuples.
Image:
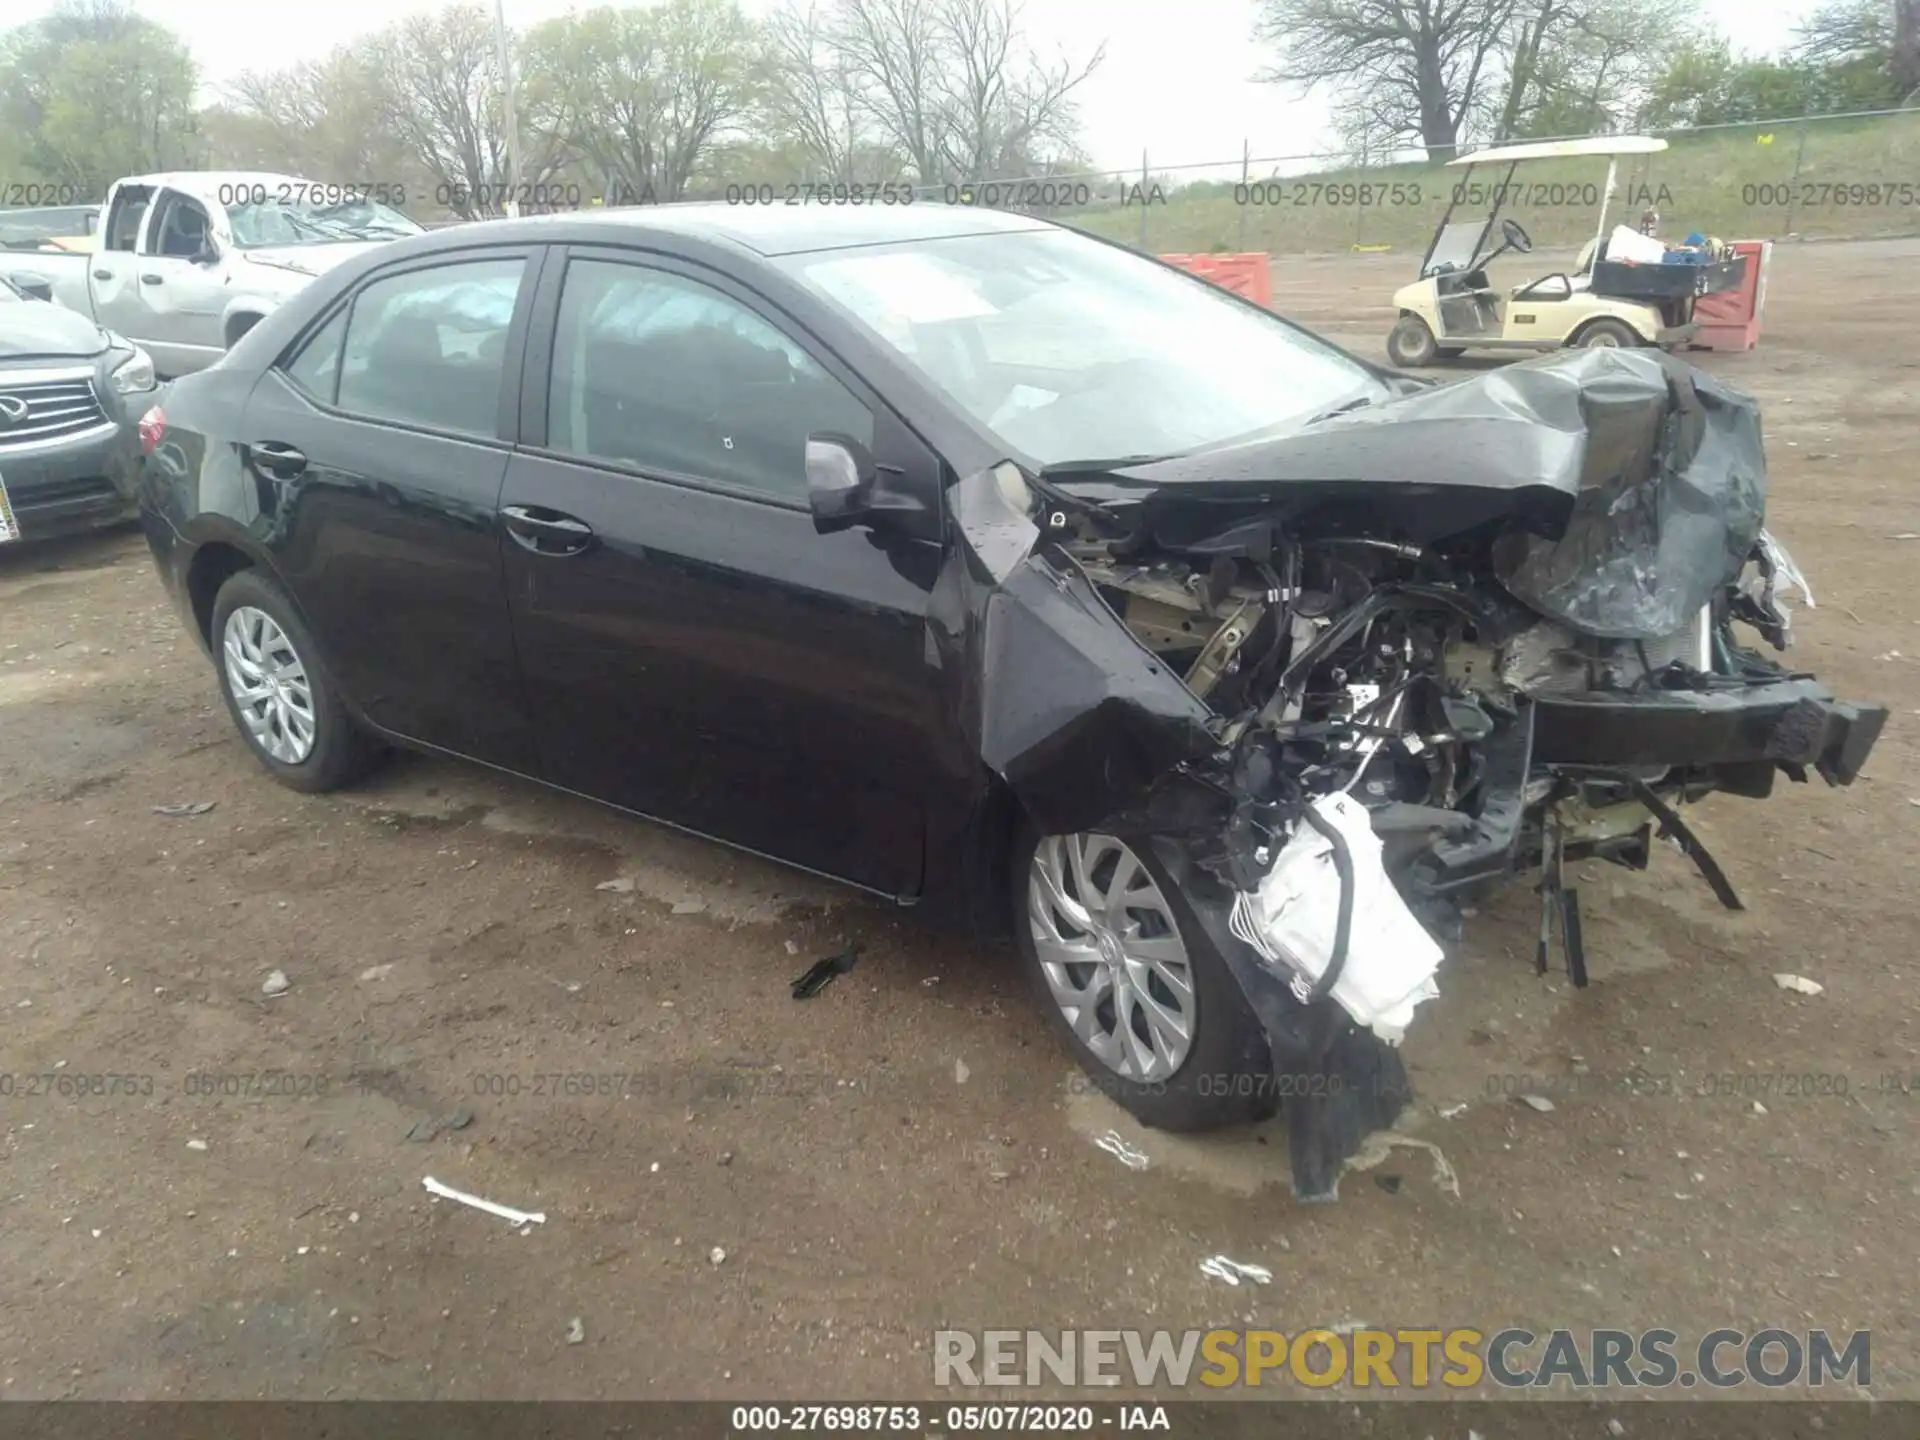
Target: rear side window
[(429, 347), (123, 221), (662, 372), (316, 368)]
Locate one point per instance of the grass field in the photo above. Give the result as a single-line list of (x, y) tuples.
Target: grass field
[(1853, 178)]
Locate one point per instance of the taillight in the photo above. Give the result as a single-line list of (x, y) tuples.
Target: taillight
[(153, 429)]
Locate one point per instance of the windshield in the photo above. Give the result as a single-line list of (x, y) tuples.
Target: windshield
[(275, 221), (1071, 350)]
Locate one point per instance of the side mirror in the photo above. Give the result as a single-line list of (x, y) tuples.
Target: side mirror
[(846, 488), (32, 284), (840, 480), (208, 253)]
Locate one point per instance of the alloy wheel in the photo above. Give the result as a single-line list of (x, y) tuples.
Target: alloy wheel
[(1111, 953), (268, 681)]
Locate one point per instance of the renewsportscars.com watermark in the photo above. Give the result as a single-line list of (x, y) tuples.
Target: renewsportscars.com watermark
[(1375, 1359)]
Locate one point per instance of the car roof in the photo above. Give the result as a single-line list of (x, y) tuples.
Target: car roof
[(194, 182), (1564, 149), (766, 230)]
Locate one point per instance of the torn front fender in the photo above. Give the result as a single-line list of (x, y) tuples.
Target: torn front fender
[(1077, 717), (1084, 724)]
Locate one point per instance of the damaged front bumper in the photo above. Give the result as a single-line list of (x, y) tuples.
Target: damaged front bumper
[(1796, 723), (1509, 670)]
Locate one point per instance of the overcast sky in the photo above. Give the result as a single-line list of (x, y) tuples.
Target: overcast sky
[(1176, 79)]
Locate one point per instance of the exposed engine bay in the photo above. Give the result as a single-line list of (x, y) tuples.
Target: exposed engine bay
[(1390, 658)]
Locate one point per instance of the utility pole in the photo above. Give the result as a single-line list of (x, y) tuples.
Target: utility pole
[(513, 130)]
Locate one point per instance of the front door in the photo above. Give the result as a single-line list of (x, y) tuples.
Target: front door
[(181, 290), (692, 648), (376, 449)]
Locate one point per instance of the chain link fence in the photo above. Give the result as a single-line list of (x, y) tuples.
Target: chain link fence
[(1833, 176)]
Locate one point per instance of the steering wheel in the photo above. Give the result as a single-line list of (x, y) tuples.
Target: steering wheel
[(1516, 238)]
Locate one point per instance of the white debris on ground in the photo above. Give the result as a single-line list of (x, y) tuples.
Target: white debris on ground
[(1115, 1145), (1382, 1143), (1293, 917), (1233, 1272), (505, 1212), (1799, 984)]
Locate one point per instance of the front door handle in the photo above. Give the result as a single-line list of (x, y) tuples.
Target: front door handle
[(153, 279), (103, 274), (546, 532), (281, 462)]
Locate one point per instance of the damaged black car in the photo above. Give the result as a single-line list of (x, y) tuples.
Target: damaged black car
[(1005, 572)]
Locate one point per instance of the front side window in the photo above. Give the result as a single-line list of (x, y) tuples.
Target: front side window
[(428, 347), (129, 209), (182, 228), (664, 373), (1073, 350)]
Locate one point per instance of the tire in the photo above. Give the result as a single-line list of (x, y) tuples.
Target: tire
[(1224, 1076), (1410, 344), (1607, 334), (258, 635)]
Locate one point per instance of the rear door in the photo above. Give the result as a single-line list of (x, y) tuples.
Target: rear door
[(181, 295), (113, 276), (377, 447), (692, 648)]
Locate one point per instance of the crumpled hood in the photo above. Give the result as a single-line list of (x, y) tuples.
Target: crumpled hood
[(1656, 469), (309, 260), (37, 330)]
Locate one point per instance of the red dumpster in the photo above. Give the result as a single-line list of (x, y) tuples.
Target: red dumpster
[(1245, 274), (1730, 320)]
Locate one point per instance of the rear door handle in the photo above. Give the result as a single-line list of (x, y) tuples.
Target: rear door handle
[(282, 462), (103, 274), (152, 279), (546, 532)]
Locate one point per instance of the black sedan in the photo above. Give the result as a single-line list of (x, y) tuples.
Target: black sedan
[(1000, 570), (71, 397)]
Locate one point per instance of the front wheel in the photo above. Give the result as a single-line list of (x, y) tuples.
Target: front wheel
[(1130, 981), (1411, 343)]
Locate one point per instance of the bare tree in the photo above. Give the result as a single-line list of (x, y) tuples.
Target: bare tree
[(320, 118), (809, 95), (440, 96), (953, 85), (1573, 66), (1872, 32), (1000, 103), (891, 49), (1416, 66)]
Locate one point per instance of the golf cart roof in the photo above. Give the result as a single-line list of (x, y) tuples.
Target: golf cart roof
[(1562, 149)]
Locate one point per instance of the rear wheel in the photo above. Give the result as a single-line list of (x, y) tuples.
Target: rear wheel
[(281, 700), (1605, 334), (1130, 981), (1411, 343)]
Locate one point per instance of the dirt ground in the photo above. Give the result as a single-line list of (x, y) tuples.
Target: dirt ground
[(909, 1150)]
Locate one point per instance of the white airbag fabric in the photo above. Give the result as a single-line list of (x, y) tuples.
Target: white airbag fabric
[(1293, 916)]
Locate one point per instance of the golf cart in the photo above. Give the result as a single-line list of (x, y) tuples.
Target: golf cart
[(1643, 299)]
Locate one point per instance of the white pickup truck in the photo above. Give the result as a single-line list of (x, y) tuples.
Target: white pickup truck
[(184, 264)]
